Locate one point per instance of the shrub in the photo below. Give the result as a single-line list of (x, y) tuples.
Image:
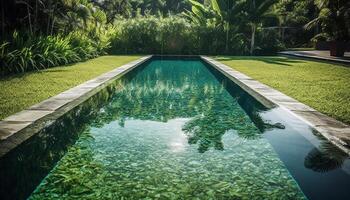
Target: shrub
[(82, 45), (53, 50), (267, 43), (175, 35), (27, 52), (140, 35), (152, 35)]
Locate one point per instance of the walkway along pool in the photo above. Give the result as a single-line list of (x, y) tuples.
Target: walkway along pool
[(175, 128)]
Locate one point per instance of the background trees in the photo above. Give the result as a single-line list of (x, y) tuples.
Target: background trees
[(46, 33), (334, 19), (257, 11), (94, 27), (292, 16)]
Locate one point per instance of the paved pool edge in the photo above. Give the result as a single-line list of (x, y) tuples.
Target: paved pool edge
[(300, 54), (333, 130), (19, 127)]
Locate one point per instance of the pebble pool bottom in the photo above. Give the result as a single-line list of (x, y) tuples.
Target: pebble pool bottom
[(171, 131)]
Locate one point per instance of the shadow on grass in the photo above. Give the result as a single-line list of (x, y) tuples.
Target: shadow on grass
[(270, 60), (35, 71)]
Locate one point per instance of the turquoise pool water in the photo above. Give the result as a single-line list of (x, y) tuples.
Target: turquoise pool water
[(178, 129)]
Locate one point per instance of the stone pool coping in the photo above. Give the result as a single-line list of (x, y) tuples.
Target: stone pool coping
[(318, 55), (335, 131), (19, 127)]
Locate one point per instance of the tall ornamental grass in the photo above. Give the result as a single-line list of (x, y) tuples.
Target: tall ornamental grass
[(26, 53)]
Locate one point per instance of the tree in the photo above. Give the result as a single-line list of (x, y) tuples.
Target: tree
[(229, 11), (221, 12), (2, 17), (292, 16), (115, 8), (324, 158), (334, 17), (159, 7), (257, 11)]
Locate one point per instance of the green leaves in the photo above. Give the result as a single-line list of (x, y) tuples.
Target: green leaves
[(33, 53), (333, 18), (216, 7)]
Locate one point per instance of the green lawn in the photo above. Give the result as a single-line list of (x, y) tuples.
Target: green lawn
[(21, 91), (325, 87)]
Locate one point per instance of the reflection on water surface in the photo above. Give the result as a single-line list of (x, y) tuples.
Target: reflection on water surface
[(175, 129)]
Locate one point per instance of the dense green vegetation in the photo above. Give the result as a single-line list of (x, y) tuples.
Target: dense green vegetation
[(333, 18), (21, 91), (40, 34), (325, 87), (37, 34), (176, 35)]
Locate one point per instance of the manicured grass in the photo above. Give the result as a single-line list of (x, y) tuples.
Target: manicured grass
[(21, 91), (323, 86)]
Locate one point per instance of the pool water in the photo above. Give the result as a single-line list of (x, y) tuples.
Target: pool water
[(178, 129)]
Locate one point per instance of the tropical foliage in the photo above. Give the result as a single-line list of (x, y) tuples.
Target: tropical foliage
[(25, 53), (36, 34), (334, 19), (173, 35), (292, 16), (50, 33)]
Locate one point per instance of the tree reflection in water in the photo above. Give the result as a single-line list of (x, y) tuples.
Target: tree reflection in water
[(207, 128), (326, 157), (212, 104), (189, 92)]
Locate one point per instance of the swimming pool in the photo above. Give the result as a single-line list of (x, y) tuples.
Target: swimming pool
[(175, 128)]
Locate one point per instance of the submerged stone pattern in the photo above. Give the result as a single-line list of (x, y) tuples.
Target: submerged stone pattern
[(171, 131)]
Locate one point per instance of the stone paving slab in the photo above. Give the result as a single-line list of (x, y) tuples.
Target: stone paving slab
[(320, 119), (336, 134), (335, 131), (8, 128), (278, 99), (318, 55), (27, 116), (296, 106), (11, 133), (51, 104), (240, 76)]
